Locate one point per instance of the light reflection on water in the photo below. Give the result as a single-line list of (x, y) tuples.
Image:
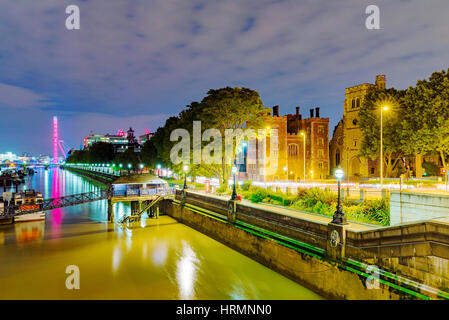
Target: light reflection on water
[(154, 259)]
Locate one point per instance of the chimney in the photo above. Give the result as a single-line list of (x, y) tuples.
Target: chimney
[(317, 112), (276, 111), (297, 111), (311, 113)]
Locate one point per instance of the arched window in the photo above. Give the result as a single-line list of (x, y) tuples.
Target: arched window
[(353, 103), (293, 150), (337, 158), (358, 103)]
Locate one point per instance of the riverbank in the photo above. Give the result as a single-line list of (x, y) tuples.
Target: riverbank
[(91, 175), (302, 250)]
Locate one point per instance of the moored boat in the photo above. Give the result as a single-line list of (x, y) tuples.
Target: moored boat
[(36, 216)]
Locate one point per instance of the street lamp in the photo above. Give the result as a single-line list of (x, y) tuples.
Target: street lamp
[(304, 153), (186, 168), (286, 171), (234, 192), (158, 169), (339, 217), (141, 168), (381, 146)]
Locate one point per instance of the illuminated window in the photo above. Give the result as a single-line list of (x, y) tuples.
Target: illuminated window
[(293, 150), (320, 141)]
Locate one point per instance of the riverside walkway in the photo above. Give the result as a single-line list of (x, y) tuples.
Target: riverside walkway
[(314, 217)]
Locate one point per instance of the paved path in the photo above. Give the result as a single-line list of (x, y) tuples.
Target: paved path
[(353, 226)]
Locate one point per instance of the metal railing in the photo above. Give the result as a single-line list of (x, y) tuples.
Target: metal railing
[(59, 202)]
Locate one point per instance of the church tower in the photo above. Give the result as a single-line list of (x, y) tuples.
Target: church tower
[(348, 145)]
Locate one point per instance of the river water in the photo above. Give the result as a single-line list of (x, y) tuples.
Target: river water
[(155, 259)]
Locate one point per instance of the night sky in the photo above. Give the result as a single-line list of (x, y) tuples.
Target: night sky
[(134, 63)]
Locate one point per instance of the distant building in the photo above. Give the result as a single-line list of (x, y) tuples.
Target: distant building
[(133, 144), (121, 141), (290, 153), (145, 137), (8, 156)]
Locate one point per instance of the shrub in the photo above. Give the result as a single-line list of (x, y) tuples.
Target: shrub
[(314, 195), (222, 189), (377, 210), (258, 195)]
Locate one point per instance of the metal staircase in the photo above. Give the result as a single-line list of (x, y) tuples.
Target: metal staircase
[(137, 216)]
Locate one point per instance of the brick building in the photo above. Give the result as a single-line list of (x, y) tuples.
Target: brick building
[(293, 131)]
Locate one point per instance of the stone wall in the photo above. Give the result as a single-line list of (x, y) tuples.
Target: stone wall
[(416, 251), (409, 207), (320, 276)]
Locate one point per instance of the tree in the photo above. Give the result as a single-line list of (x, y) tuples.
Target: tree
[(149, 154), (128, 157), (230, 108), (226, 108), (427, 116), (78, 156), (101, 152), (393, 129)]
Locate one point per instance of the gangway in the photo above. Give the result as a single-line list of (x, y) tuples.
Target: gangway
[(137, 216), (53, 203)]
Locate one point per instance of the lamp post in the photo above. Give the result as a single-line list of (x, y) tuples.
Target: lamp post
[(141, 168), (129, 167), (304, 153), (158, 169), (339, 217), (286, 171), (381, 146), (234, 192), (186, 168)]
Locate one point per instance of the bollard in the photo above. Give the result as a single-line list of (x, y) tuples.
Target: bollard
[(362, 194)]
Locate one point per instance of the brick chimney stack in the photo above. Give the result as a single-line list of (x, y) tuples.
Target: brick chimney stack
[(276, 111), (311, 113), (317, 112)]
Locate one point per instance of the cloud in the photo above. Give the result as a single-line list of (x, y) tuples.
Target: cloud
[(16, 97), (134, 58)]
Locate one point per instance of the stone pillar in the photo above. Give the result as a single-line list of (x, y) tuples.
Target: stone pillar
[(110, 211), (232, 208), (418, 166), (336, 241)]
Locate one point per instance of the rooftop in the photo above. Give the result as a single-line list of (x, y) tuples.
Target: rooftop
[(138, 179)]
